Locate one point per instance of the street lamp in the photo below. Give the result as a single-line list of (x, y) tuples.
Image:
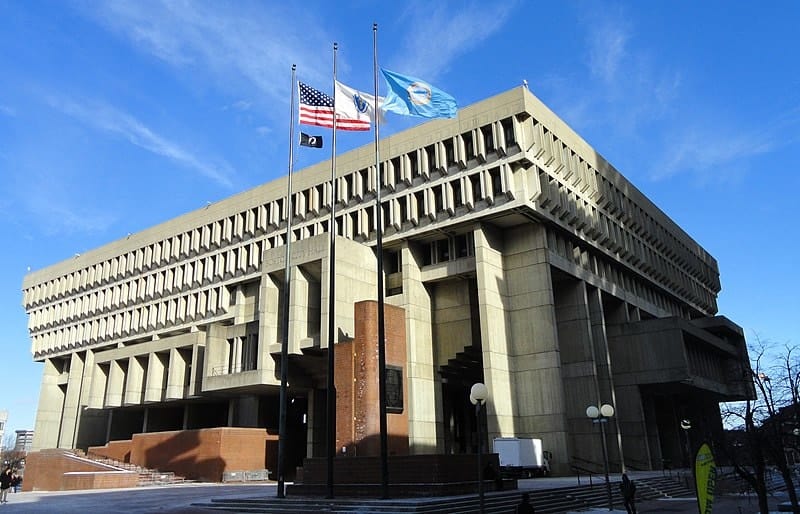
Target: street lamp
[(686, 425), (478, 395), (600, 417)]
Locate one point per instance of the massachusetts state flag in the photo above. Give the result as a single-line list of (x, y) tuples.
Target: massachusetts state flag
[(354, 107), (414, 97)]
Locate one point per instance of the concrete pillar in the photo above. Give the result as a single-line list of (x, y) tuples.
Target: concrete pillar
[(494, 333), (72, 400), (156, 378), (116, 384), (134, 382), (425, 431), (97, 392), (605, 376), (176, 375), (269, 316), (533, 344), (48, 415)]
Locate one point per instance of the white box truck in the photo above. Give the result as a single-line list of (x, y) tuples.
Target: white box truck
[(521, 457)]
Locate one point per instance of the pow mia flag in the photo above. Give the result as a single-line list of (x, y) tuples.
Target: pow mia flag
[(312, 141)]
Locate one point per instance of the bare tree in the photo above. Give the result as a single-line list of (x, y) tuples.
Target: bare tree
[(765, 425)]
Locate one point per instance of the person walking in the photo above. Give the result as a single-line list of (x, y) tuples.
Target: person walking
[(524, 506), (5, 484), (628, 490)]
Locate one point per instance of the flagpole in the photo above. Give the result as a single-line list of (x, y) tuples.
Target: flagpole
[(286, 283), (331, 387), (379, 251)]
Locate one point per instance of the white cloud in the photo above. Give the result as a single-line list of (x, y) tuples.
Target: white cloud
[(109, 119), (623, 90), (607, 49), (241, 105), (715, 152), (240, 45), (443, 32), (55, 218)]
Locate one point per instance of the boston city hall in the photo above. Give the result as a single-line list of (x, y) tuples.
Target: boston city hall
[(513, 255)]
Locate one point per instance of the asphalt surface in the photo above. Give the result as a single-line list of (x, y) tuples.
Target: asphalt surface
[(179, 499)]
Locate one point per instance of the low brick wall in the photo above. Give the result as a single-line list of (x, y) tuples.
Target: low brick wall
[(205, 454), (117, 450), (77, 480), (60, 470)]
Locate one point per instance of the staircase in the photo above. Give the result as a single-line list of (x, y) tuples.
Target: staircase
[(146, 476), (545, 501)]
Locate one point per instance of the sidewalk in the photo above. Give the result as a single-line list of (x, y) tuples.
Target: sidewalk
[(179, 499)]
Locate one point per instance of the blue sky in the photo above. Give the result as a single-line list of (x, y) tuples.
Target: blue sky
[(116, 116)]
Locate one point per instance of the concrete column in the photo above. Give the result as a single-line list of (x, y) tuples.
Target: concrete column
[(637, 420), (134, 382), (176, 375), (97, 392), (48, 415), (72, 400), (116, 384), (608, 392), (492, 296), (425, 431), (269, 316), (298, 308), (156, 378), (579, 366), (537, 389)]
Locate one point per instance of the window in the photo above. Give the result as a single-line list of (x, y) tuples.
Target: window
[(442, 250), (464, 245)]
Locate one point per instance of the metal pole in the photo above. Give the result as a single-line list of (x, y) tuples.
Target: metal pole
[(602, 422), (379, 251), (480, 455), (286, 283), (331, 385)]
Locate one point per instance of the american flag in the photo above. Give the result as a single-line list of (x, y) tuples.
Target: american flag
[(316, 108)]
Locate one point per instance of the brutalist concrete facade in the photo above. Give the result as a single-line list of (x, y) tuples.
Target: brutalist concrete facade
[(520, 257)]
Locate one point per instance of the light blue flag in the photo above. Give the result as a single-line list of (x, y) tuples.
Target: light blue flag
[(414, 97)]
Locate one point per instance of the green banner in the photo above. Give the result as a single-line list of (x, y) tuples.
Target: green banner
[(705, 473)]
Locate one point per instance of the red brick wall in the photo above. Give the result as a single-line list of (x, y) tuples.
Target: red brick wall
[(204, 454), (54, 470), (103, 480), (357, 393), (117, 450)]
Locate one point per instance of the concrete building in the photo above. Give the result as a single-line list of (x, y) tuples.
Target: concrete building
[(516, 254), (24, 441)]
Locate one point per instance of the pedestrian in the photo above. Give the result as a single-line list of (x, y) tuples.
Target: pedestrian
[(524, 506), (628, 490), (16, 479), (5, 484)]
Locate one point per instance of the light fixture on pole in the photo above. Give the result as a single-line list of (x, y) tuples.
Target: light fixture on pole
[(686, 425), (600, 417), (478, 395)]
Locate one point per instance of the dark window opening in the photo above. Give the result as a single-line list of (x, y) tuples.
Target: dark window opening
[(508, 128), (442, 250), (464, 245)]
